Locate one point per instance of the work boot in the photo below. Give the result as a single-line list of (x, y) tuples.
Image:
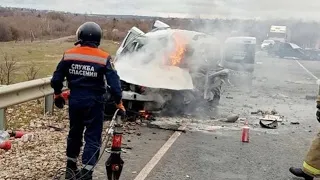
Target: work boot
[(72, 172), (299, 173), (86, 174)]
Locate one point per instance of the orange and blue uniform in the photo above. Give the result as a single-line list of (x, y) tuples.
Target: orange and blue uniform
[(86, 69)]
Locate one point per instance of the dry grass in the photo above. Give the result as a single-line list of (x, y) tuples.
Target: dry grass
[(43, 54), (46, 142)]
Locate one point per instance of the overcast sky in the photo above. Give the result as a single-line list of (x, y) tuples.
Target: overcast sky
[(302, 9)]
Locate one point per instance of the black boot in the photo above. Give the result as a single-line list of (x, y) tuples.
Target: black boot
[(299, 173), (86, 174), (72, 172)]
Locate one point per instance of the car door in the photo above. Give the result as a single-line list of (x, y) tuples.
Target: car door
[(132, 34)]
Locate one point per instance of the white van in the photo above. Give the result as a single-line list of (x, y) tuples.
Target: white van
[(238, 55)]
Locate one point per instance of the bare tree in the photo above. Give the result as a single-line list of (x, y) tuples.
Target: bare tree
[(32, 36), (8, 68), (32, 71), (2, 74)]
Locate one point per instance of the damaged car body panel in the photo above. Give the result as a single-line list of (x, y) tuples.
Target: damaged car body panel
[(133, 32)]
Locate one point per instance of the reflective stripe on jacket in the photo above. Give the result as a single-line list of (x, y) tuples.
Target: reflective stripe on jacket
[(85, 69)]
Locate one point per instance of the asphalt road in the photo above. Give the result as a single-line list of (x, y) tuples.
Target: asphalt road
[(138, 151), (213, 151)]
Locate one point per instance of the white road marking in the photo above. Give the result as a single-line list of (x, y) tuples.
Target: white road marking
[(156, 158), (310, 73)]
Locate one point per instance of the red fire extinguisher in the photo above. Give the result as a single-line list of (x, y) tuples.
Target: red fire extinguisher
[(245, 133)]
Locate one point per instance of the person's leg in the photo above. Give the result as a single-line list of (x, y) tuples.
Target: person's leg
[(92, 137), (299, 173), (311, 164), (216, 90), (74, 140)]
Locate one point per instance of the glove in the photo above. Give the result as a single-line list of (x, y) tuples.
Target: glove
[(59, 101), (122, 110)]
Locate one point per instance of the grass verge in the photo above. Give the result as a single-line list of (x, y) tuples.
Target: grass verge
[(43, 54)]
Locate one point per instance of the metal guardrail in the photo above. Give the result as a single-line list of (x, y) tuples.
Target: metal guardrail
[(23, 92), (30, 90)]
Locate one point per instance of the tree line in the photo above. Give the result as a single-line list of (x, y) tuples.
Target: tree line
[(18, 24)]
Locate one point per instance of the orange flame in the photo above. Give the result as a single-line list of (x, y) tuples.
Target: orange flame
[(179, 49), (144, 114)]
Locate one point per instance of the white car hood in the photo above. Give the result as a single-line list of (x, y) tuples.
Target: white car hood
[(153, 75)]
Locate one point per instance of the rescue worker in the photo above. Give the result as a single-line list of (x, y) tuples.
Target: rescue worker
[(86, 67), (311, 164)]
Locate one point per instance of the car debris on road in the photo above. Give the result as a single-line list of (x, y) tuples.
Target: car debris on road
[(230, 119), (270, 125), (269, 117)]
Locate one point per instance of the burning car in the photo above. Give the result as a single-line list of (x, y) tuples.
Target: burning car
[(170, 69)]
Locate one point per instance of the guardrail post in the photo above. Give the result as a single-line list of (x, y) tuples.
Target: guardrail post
[(3, 121), (48, 104)]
